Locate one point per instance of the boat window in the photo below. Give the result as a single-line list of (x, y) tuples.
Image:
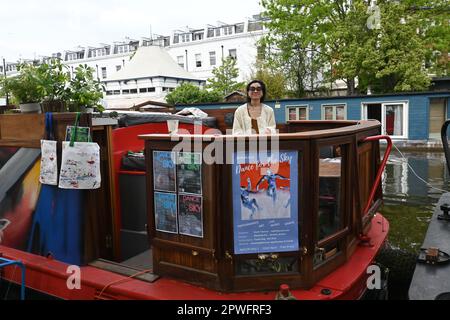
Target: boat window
[(267, 264), (329, 191), (329, 218)]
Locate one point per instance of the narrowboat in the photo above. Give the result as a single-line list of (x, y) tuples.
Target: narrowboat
[(197, 214)]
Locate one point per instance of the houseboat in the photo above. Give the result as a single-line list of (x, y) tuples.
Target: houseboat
[(295, 218), (411, 119)]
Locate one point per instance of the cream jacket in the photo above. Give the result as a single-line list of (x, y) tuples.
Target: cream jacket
[(242, 123)]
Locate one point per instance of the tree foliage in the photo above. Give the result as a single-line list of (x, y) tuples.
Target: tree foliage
[(390, 46), (276, 82), (187, 93), (224, 79)]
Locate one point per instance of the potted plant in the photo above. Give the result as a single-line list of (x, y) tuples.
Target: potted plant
[(25, 88), (54, 82), (84, 90)]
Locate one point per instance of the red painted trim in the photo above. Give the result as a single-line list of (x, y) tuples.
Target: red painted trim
[(380, 170), (49, 276)]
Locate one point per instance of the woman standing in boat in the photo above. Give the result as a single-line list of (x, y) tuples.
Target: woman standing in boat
[(254, 116)]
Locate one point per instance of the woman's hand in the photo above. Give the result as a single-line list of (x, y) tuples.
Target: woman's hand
[(267, 131)]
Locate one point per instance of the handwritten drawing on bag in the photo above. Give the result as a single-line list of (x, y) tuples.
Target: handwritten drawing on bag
[(80, 166), (49, 167)]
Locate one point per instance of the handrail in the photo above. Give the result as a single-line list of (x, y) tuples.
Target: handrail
[(445, 143), (8, 262), (380, 170)]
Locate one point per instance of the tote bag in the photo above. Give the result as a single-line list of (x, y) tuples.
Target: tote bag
[(80, 164), (49, 167)]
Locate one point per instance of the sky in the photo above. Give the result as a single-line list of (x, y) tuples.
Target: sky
[(33, 28)]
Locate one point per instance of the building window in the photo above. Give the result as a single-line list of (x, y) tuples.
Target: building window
[(104, 73), (142, 90), (212, 58), (151, 89), (198, 60), (392, 115), (254, 26), (210, 33), (228, 30), (118, 68), (116, 92), (180, 60), (186, 37), (297, 113), (71, 56), (239, 28), (123, 49), (233, 53), (109, 92), (334, 112), (176, 39), (217, 32), (198, 36), (133, 91), (125, 91)]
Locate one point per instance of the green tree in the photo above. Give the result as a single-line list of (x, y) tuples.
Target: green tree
[(224, 80), (348, 40), (274, 79), (187, 93)]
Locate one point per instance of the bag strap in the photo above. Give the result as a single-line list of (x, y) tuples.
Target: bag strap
[(73, 137), (49, 134)]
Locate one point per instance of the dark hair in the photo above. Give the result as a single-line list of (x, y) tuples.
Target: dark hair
[(263, 87)]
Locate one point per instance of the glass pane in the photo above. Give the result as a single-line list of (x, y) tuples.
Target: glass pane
[(292, 114), (267, 264), (302, 114), (394, 120), (328, 113), (329, 220), (340, 113)]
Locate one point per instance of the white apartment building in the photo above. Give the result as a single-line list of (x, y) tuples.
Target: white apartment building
[(197, 51)]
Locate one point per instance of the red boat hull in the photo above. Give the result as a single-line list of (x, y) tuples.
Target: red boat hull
[(50, 276)]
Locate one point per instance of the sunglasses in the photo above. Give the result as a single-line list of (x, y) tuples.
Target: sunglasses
[(255, 89)]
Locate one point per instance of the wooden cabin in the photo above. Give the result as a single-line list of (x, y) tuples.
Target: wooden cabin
[(222, 232)]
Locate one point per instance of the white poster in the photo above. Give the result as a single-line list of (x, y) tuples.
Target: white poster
[(49, 167)]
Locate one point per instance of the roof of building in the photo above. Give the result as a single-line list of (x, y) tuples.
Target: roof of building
[(239, 93), (151, 61), (131, 103)]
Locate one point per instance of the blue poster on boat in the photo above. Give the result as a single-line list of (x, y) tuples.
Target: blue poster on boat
[(265, 202), (166, 212)]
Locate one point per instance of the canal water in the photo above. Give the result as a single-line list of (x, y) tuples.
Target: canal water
[(412, 185)]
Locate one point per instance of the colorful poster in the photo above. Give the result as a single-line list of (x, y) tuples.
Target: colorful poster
[(190, 215), (164, 171), (166, 212), (189, 169), (265, 202)]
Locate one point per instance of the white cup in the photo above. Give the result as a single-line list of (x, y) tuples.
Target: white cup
[(172, 125)]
